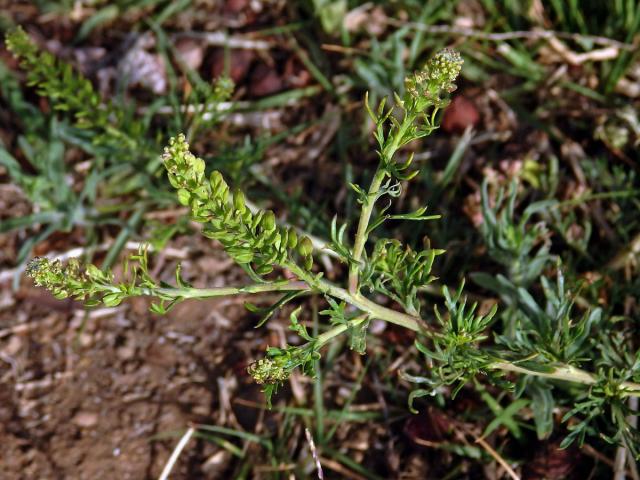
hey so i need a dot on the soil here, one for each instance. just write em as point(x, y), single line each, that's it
point(106, 393)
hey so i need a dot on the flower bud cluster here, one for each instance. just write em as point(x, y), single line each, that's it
point(18, 42)
point(64, 280)
point(429, 86)
point(279, 363)
point(269, 370)
point(67, 90)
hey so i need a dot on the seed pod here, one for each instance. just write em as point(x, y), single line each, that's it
point(201, 192)
point(292, 239)
point(184, 196)
point(247, 216)
point(216, 180)
point(275, 239)
point(112, 299)
point(238, 201)
point(197, 165)
point(264, 269)
point(305, 247)
point(308, 262)
point(240, 254)
point(268, 221)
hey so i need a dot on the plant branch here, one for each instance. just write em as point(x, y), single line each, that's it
point(371, 309)
point(560, 372)
point(388, 151)
point(190, 292)
point(330, 334)
point(363, 223)
point(364, 304)
point(566, 373)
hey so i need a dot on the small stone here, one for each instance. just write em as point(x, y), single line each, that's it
point(201, 410)
point(190, 52)
point(265, 81)
point(13, 347)
point(126, 352)
point(85, 419)
point(217, 463)
point(85, 339)
point(459, 115)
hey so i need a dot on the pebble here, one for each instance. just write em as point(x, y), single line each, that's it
point(85, 419)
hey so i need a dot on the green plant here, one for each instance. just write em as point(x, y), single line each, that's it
point(121, 143)
point(71, 92)
point(548, 347)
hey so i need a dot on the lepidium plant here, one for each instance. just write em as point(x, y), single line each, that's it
point(455, 344)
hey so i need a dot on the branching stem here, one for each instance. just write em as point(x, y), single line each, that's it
point(371, 309)
point(561, 372)
point(363, 224)
point(223, 291)
point(566, 373)
point(392, 144)
point(329, 335)
point(363, 304)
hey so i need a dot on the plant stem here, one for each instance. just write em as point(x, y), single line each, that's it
point(370, 309)
point(391, 146)
point(364, 304)
point(561, 372)
point(566, 373)
point(222, 291)
point(363, 223)
point(338, 330)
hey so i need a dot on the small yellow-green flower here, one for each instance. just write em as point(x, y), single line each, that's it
point(61, 280)
point(70, 280)
point(269, 370)
point(430, 85)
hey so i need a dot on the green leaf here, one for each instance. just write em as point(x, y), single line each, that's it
point(298, 327)
point(100, 17)
point(112, 299)
point(358, 336)
point(542, 404)
point(418, 393)
point(505, 416)
point(267, 312)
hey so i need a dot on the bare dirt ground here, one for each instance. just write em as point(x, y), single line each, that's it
point(103, 393)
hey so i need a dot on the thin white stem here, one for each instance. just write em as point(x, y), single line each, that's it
point(176, 453)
